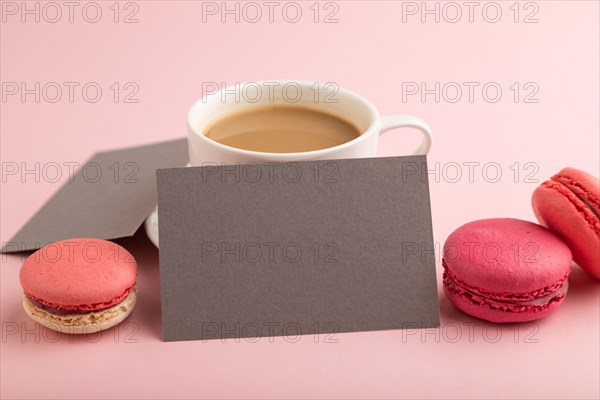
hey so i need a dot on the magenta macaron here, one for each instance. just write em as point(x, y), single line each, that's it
point(505, 270)
point(79, 285)
point(569, 204)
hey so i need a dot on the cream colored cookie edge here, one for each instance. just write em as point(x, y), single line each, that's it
point(83, 323)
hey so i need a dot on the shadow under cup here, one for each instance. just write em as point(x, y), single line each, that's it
point(325, 98)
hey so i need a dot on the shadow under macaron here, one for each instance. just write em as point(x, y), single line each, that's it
point(581, 283)
point(147, 314)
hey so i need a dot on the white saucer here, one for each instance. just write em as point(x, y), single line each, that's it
point(151, 226)
point(151, 223)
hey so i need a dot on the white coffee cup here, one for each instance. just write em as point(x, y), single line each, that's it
point(326, 97)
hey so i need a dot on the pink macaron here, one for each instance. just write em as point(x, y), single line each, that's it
point(505, 270)
point(79, 285)
point(569, 204)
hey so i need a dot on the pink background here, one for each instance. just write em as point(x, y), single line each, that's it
point(170, 52)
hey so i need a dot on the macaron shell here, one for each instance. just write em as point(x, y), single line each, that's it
point(558, 208)
point(507, 257)
point(584, 185)
point(465, 304)
point(79, 273)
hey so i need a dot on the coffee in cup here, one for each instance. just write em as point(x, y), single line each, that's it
point(281, 129)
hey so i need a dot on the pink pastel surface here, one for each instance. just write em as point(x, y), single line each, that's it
point(170, 52)
point(79, 273)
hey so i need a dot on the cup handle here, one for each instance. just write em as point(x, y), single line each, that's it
point(403, 121)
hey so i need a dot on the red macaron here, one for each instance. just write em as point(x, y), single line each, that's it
point(79, 285)
point(569, 204)
point(505, 270)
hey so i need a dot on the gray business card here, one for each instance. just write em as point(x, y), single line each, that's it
point(280, 249)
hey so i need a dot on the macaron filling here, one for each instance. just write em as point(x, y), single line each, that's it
point(58, 309)
point(533, 301)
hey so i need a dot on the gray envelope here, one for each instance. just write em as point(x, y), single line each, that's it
point(108, 197)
